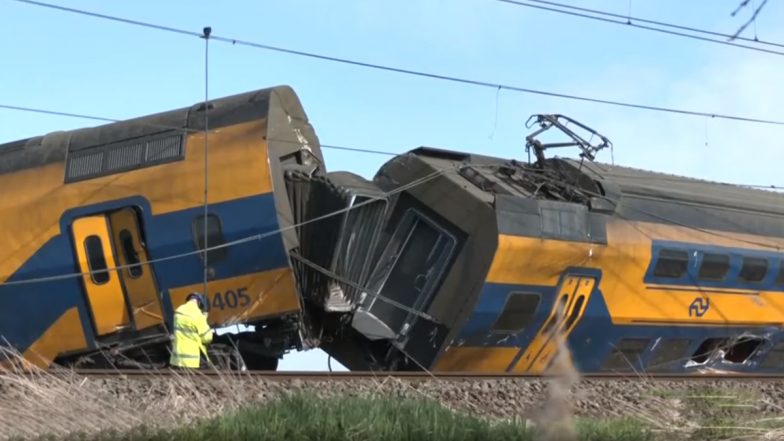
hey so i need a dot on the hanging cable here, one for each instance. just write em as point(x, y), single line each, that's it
point(247, 239)
point(442, 77)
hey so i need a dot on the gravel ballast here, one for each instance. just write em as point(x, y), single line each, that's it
point(62, 404)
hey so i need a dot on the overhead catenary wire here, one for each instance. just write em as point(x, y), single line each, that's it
point(629, 21)
point(632, 24)
point(176, 128)
point(442, 77)
point(751, 20)
point(672, 178)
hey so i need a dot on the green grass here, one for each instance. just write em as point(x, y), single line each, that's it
point(301, 417)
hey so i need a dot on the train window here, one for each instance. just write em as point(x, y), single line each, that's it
point(742, 349)
point(214, 236)
point(671, 263)
point(775, 357)
point(96, 260)
point(578, 304)
point(131, 256)
point(714, 266)
point(780, 278)
point(753, 269)
point(518, 312)
point(668, 354)
point(625, 356)
point(707, 348)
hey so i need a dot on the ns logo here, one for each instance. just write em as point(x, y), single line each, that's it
point(699, 307)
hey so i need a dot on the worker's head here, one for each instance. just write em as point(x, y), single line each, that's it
point(199, 299)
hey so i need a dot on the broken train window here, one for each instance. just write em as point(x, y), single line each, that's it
point(517, 313)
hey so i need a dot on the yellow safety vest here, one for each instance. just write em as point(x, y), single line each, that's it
point(191, 333)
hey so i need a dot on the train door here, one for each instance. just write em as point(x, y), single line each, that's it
point(123, 299)
point(412, 265)
point(141, 289)
point(103, 287)
point(572, 298)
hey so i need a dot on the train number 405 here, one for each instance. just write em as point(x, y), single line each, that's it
point(230, 299)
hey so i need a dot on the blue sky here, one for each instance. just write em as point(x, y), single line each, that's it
point(60, 61)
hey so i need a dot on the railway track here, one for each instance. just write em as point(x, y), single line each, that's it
point(408, 376)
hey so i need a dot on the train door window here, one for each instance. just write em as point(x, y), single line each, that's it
point(780, 278)
point(214, 236)
point(753, 269)
point(518, 312)
point(714, 266)
point(625, 356)
point(775, 357)
point(131, 256)
point(96, 260)
point(575, 312)
point(671, 263)
point(669, 354)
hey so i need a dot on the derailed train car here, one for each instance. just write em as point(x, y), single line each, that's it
point(451, 261)
point(445, 261)
point(103, 232)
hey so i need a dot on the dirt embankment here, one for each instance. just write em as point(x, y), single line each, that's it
point(51, 405)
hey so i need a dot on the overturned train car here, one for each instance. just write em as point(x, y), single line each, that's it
point(103, 233)
point(450, 261)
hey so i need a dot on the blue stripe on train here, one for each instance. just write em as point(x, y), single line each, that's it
point(27, 310)
point(595, 336)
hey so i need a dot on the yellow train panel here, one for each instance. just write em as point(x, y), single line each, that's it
point(570, 307)
point(64, 335)
point(32, 211)
point(623, 263)
point(250, 296)
point(470, 359)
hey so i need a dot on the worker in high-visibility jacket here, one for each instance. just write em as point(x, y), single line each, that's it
point(191, 332)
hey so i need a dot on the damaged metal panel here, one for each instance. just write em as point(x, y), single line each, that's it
point(339, 218)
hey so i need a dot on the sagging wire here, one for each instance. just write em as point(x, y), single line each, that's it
point(236, 242)
point(442, 77)
point(359, 149)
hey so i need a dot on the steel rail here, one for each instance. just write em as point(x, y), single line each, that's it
point(407, 376)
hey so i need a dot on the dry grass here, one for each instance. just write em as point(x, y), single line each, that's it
point(35, 403)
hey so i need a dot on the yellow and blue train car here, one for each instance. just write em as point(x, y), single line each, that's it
point(103, 231)
point(491, 265)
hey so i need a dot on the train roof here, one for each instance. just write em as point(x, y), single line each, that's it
point(645, 183)
point(54, 147)
point(629, 182)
